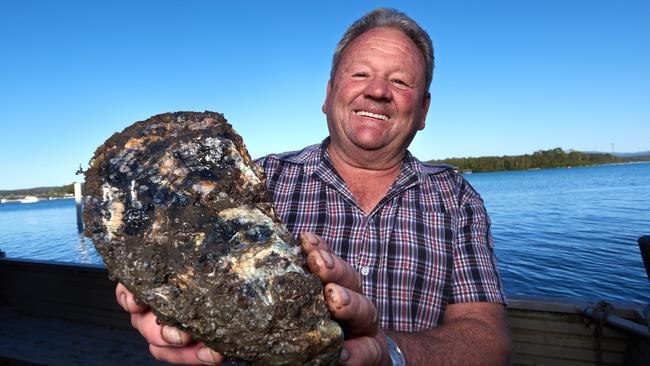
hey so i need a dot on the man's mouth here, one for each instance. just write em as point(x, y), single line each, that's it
point(382, 117)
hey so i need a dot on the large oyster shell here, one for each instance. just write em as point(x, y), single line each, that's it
point(181, 217)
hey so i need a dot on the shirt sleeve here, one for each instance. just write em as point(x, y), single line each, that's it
point(475, 277)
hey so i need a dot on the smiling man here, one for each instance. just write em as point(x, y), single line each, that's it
point(403, 247)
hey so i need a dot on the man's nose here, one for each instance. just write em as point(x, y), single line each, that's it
point(378, 89)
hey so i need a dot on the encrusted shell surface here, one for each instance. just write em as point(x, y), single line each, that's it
point(180, 214)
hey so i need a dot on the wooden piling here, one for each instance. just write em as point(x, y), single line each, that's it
point(78, 202)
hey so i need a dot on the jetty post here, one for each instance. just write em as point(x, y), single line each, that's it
point(78, 187)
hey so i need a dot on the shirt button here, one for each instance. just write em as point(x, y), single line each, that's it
point(365, 270)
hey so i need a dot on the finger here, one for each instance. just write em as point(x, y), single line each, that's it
point(364, 351)
point(195, 354)
point(159, 334)
point(352, 309)
point(310, 242)
point(332, 269)
point(126, 299)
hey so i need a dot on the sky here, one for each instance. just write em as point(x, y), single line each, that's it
point(511, 77)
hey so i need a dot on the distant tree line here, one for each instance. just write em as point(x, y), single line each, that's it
point(542, 159)
point(40, 192)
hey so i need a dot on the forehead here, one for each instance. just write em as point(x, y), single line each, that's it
point(386, 43)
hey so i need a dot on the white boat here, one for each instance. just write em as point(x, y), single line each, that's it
point(29, 199)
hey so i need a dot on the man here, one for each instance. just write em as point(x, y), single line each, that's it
point(404, 248)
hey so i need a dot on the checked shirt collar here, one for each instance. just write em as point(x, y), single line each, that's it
point(318, 164)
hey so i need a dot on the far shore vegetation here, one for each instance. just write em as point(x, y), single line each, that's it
point(40, 192)
point(543, 159)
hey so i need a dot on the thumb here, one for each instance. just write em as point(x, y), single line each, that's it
point(364, 351)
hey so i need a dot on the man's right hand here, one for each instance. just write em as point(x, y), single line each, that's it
point(166, 343)
point(365, 342)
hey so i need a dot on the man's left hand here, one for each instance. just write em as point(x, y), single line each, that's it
point(365, 342)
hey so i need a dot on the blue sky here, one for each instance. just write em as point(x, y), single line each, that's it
point(511, 77)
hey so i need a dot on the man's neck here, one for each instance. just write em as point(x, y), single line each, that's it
point(385, 159)
point(369, 181)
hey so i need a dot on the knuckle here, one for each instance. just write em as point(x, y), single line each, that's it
point(128, 302)
point(371, 318)
point(358, 281)
point(375, 351)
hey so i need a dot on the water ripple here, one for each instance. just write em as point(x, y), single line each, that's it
point(570, 233)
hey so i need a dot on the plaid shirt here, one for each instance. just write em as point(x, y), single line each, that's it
point(425, 245)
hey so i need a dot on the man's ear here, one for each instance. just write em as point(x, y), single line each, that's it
point(327, 96)
point(425, 109)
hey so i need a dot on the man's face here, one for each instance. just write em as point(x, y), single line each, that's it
point(376, 99)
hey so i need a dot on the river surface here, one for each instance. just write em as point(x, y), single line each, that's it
point(569, 233)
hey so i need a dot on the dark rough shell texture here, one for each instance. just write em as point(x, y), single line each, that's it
point(180, 214)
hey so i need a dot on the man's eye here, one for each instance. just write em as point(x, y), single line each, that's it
point(360, 74)
point(400, 82)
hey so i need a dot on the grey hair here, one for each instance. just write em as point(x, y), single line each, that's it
point(391, 18)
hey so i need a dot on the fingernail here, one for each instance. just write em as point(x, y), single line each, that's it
point(129, 301)
point(171, 335)
point(345, 355)
point(311, 238)
point(327, 259)
point(345, 296)
point(204, 354)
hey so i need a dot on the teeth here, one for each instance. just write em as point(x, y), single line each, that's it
point(373, 115)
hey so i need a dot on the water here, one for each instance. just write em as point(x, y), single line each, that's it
point(570, 232)
point(558, 232)
point(44, 230)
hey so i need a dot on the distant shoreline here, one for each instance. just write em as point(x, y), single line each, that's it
point(558, 167)
point(542, 159)
point(39, 199)
point(41, 193)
